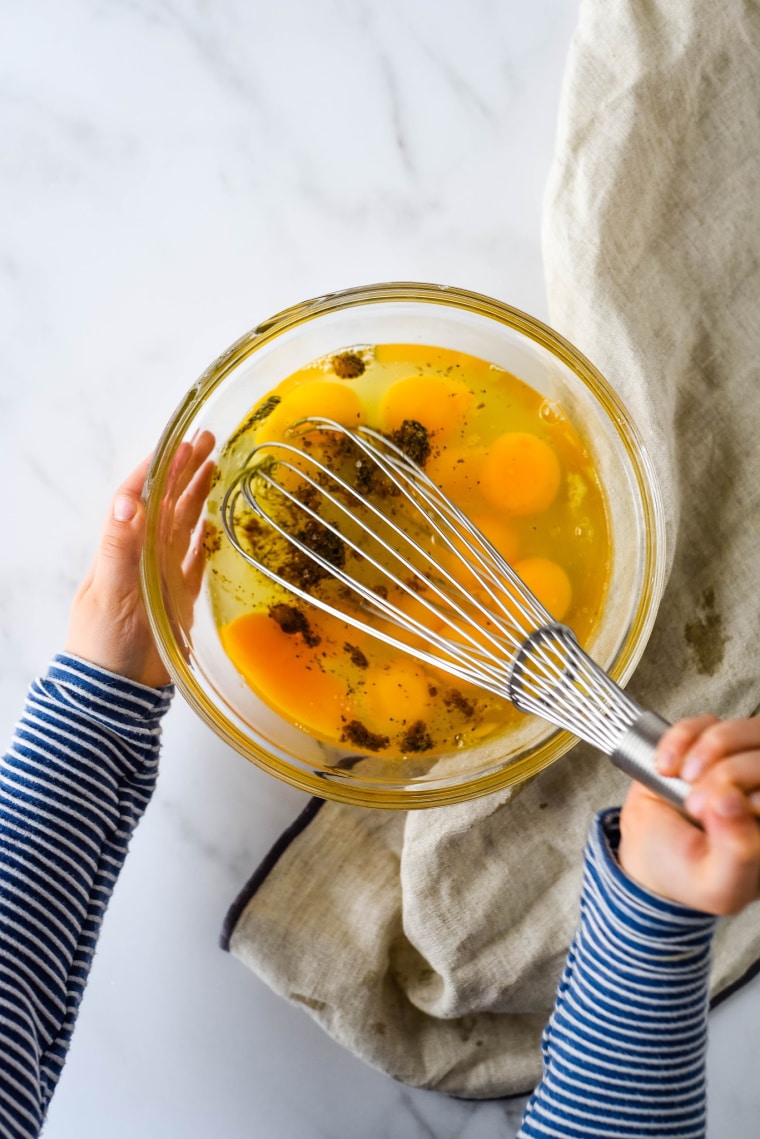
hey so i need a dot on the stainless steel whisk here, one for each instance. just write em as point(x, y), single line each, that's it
point(467, 611)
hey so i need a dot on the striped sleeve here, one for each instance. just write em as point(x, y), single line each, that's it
point(78, 775)
point(624, 1051)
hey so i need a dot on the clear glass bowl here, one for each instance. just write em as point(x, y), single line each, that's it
point(401, 313)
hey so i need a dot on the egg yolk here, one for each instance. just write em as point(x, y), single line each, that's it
point(286, 673)
point(500, 534)
point(456, 470)
point(328, 399)
point(438, 403)
point(549, 582)
point(522, 481)
point(395, 696)
point(521, 474)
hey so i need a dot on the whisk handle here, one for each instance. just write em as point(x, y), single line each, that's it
point(634, 754)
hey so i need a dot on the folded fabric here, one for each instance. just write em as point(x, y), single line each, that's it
point(430, 943)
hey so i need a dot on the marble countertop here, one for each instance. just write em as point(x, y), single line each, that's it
point(172, 172)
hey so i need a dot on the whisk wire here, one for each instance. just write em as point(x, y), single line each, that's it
point(498, 630)
point(552, 677)
point(471, 660)
point(418, 484)
point(368, 594)
point(495, 635)
point(446, 600)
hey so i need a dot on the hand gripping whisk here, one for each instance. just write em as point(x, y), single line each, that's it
point(391, 555)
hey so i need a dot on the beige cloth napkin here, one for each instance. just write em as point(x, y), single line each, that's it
point(430, 943)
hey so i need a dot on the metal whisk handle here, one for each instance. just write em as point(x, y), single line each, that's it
point(634, 754)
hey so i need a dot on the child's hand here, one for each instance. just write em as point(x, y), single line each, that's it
point(109, 626)
point(716, 869)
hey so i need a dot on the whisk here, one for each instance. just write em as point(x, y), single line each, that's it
point(402, 563)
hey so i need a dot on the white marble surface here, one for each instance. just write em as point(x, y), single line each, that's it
point(171, 172)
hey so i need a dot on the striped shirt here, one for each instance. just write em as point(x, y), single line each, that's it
point(624, 1051)
point(79, 774)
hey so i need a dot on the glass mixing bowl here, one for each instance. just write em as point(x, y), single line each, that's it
point(400, 313)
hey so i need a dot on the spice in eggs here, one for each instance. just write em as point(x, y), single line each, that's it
point(417, 738)
point(292, 620)
point(524, 478)
point(357, 657)
point(359, 735)
point(348, 365)
point(414, 440)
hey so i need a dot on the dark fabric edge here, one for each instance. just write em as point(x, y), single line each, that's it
point(259, 876)
point(735, 986)
point(486, 1099)
point(265, 867)
point(288, 836)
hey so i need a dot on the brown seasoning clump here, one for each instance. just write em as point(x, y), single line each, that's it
point(250, 526)
point(413, 439)
point(356, 656)
point(457, 700)
point(358, 734)
point(417, 737)
point(322, 541)
point(299, 568)
point(258, 415)
point(293, 620)
point(212, 539)
point(348, 365)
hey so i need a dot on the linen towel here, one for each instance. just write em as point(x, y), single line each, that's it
point(430, 943)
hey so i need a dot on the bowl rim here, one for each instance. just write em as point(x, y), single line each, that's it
point(642, 468)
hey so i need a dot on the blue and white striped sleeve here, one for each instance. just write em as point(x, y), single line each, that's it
point(624, 1051)
point(78, 775)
